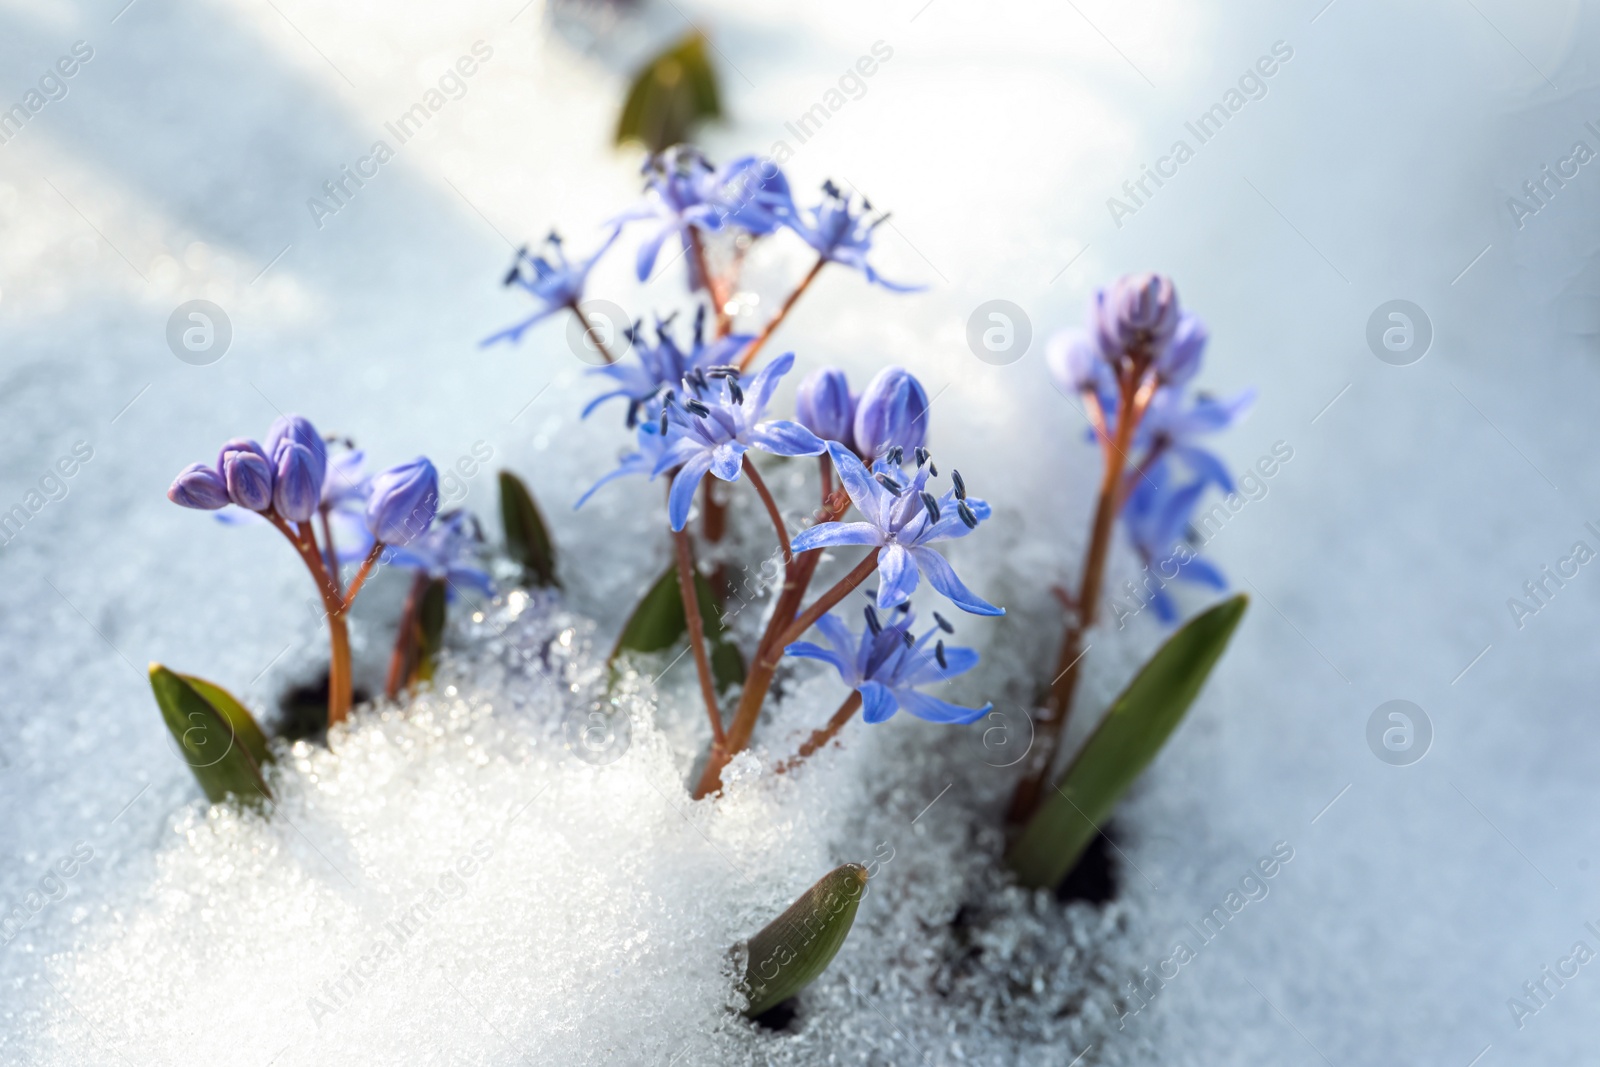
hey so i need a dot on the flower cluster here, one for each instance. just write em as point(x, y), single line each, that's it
point(686, 198)
point(1134, 362)
point(289, 480)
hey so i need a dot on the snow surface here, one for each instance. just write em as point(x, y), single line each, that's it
point(595, 923)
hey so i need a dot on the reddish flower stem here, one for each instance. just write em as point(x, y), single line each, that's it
point(750, 353)
point(772, 509)
point(697, 634)
point(821, 737)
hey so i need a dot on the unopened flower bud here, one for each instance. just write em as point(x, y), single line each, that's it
point(892, 411)
point(298, 429)
point(1137, 311)
point(298, 488)
point(403, 503)
point(824, 405)
point(198, 486)
point(248, 479)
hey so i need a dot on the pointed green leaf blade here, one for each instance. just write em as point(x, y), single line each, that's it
point(670, 96)
point(1127, 739)
point(658, 622)
point(527, 538)
point(239, 719)
point(792, 950)
point(220, 760)
point(430, 628)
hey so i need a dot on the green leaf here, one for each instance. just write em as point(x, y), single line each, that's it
point(1124, 743)
point(238, 717)
point(727, 663)
point(527, 538)
point(658, 622)
point(792, 950)
point(225, 758)
point(430, 629)
point(670, 96)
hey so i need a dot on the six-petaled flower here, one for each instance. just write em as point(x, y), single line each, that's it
point(901, 521)
point(888, 666)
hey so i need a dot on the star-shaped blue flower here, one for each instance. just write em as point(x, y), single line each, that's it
point(1156, 517)
point(642, 461)
point(554, 282)
point(902, 520)
point(841, 232)
point(713, 423)
point(886, 666)
point(450, 550)
point(661, 366)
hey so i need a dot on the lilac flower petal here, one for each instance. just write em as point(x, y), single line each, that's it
point(833, 534)
point(839, 636)
point(1173, 517)
point(634, 464)
point(650, 249)
point(726, 459)
point(950, 527)
point(1165, 610)
point(898, 576)
point(460, 578)
point(807, 650)
point(681, 496)
point(679, 452)
point(758, 394)
point(865, 493)
point(1196, 569)
point(1205, 464)
point(943, 578)
point(877, 702)
point(894, 287)
point(601, 399)
point(932, 709)
point(514, 333)
point(957, 661)
point(784, 438)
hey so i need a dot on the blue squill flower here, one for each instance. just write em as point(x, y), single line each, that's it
point(643, 461)
point(298, 430)
point(887, 666)
point(824, 405)
point(403, 503)
point(840, 232)
point(198, 486)
point(450, 549)
point(892, 413)
point(247, 473)
point(297, 482)
point(554, 282)
point(680, 186)
point(662, 366)
point(1156, 517)
point(1171, 425)
point(902, 520)
point(751, 193)
point(1137, 312)
point(712, 426)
